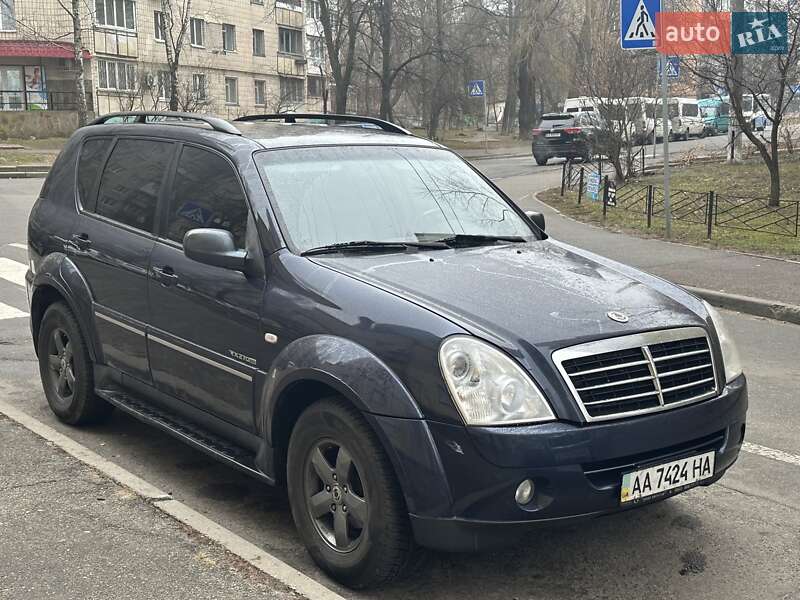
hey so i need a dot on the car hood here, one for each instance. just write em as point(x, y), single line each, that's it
point(543, 294)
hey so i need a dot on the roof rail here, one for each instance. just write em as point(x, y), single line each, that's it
point(293, 118)
point(216, 124)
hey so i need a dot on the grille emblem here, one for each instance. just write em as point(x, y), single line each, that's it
point(617, 316)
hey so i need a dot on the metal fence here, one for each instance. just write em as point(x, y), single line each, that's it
point(702, 208)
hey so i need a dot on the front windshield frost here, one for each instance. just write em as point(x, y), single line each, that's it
point(330, 195)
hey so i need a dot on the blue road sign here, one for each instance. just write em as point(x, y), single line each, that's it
point(638, 23)
point(476, 88)
point(673, 68)
point(760, 33)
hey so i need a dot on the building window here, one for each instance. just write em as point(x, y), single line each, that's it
point(291, 89)
point(200, 86)
point(228, 37)
point(258, 42)
point(315, 87)
point(315, 48)
point(261, 2)
point(198, 32)
point(231, 90)
point(116, 74)
point(116, 13)
point(158, 25)
point(289, 41)
point(290, 4)
point(7, 21)
point(260, 89)
point(164, 85)
point(313, 9)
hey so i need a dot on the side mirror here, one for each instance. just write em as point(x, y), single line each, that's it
point(536, 218)
point(214, 247)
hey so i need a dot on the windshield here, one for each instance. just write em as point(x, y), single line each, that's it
point(334, 195)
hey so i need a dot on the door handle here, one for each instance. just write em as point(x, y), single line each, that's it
point(81, 241)
point(166, 275)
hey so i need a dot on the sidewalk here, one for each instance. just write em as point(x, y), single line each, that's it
point(722, 271)
point(68, 532)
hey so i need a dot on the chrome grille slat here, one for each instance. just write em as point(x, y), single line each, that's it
point(614, 383)
point(680, 370)
point(681, 355)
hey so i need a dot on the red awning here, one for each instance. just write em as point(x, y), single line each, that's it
point(39, 49)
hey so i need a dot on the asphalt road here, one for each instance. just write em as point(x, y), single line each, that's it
point(737, 539)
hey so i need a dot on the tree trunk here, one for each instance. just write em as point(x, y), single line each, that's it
point(436, 102)
point(527, 100)
point(386, 8)
point(774, 179)
point(510, 112)
point(340, 99)
point(80, 89)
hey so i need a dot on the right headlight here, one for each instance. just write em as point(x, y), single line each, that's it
point(488, 387)
point(730, 355)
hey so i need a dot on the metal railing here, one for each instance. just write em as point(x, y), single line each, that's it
point(755, 214)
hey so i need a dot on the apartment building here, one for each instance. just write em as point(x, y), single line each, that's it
point(239, 56)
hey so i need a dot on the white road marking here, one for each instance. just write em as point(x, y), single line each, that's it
point(792, 459)
point(13, 271)
point(260, 559)
point(20, 246)
point(9, 312)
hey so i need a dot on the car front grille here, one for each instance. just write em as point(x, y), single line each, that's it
point(638, 374)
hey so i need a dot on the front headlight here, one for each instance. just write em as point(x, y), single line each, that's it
point(730, 355)
point(488, 387)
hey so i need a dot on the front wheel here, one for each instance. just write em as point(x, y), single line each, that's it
point(346, 502)
point(540, 160)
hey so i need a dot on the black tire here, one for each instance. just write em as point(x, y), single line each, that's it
point(541, 160)
point(66, 369)
point(686, 136)
point(383, 548)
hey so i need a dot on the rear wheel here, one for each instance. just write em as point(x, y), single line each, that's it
point(686, 135)
point(345, 499)
point(66, 369)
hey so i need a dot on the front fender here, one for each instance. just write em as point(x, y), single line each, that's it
point(347, 367)
point(57, 272)
point(366, 381)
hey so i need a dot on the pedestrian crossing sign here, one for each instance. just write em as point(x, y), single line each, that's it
point(476, 88)
point(638, 23)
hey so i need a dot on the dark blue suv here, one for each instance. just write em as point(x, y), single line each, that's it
point(333, 304)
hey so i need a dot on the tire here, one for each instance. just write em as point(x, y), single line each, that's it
point(541, 160)
point(686, 136)
point(383, 548)
point(66, 369)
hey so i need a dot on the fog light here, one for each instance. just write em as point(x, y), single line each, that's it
point(524, 492)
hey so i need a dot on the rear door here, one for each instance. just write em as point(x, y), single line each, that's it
point(114, 237)
point(205, 339)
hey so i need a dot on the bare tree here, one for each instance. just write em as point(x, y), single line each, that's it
point(341, 22)
point(175, 15)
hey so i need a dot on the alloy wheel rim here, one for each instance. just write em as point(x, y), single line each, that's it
point(61, 365)
point(335, 496)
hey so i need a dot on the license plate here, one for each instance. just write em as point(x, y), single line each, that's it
point(662, 478)
point(553, 135)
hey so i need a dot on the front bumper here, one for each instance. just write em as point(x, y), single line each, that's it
point(577, 469)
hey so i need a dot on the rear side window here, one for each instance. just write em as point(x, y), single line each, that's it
point(131, 182)
point(93, 153)
point(206, 193)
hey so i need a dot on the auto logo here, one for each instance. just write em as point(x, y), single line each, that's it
point(617, 316)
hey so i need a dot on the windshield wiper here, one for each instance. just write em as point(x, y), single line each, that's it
point(369, 246)
point(466, 239)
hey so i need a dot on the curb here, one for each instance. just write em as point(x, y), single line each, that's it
point(495, 156)
point(23, 174)
point(758, 307)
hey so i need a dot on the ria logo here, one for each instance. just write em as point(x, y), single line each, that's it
point(760, 33)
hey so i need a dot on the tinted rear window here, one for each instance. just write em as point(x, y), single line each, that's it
point(93, 153)
point(132, 181)
point(556, 121)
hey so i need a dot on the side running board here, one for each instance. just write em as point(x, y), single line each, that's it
point(223, 450)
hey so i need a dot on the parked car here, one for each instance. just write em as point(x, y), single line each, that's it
point(360, 315)
point(568, 135)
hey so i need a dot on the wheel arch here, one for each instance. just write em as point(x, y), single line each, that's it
point(58, 280)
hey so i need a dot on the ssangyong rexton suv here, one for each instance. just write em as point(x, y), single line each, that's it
point(333, 304)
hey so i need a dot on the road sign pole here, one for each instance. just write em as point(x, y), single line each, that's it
point(485, 121)
point(665, 133)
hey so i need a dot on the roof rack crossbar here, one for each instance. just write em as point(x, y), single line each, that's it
point(215, 123)
point(294, 117)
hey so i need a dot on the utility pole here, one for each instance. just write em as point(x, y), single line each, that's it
point(735, 88)
point(665, 125)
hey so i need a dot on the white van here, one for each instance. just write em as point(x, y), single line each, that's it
point(580, 104)
point(686, 118)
